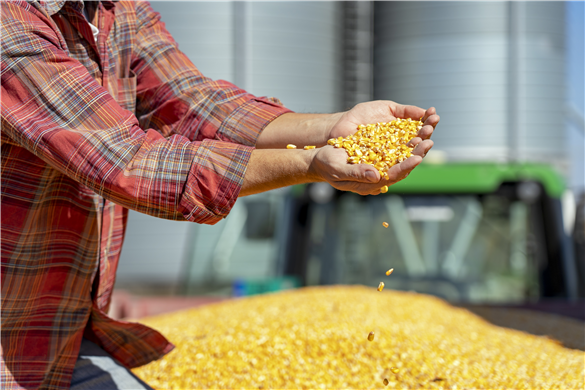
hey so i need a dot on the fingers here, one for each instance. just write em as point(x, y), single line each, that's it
point(402, 170)
point(422, 148)
point(413, 112)
point(428, 113)
point(331, 164)
point(430, 121)
point(358, 188)
point(363, 173)
point(413, 142)
point(395, 174)
point(429, 117)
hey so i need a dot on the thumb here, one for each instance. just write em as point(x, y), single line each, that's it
point(364, 173)
point(372, 176)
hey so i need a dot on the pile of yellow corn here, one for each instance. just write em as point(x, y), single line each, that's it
point(319, 338)
point(381, 144)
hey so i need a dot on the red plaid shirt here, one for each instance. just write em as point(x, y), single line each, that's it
point(90, 130)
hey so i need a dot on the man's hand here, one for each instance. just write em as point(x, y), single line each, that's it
point(330, 164)
point(383, 111)
point(364, 179)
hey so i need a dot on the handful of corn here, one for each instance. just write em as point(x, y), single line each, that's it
point(314, 338)
point(381, 144)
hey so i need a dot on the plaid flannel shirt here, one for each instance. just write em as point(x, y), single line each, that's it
point(89, 130)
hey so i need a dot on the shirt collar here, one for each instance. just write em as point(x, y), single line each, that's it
point(54, 6)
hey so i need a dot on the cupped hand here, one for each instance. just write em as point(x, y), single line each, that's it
point(330, 165)
point(364, 179)
point(383, 111)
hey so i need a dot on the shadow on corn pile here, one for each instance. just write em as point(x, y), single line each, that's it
point(318, 338)
point(570, 332)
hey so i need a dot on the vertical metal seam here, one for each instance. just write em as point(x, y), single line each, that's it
point(240, 43)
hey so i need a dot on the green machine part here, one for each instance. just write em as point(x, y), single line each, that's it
point(477, 178)
point(471, 178)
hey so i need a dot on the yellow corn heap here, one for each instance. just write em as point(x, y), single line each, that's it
point(381, 145)
point(314, 338)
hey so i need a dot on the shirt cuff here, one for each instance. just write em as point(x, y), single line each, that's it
point(244, 125)
point(214, 181)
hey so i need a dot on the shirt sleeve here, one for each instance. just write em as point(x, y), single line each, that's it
point(201, 107)
point(52, 107)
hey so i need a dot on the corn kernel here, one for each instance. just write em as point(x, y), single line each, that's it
point(394, 370)
point(371, 336)
point(384, 189)
point(302, 339)
point(385, 224)
point(309, 147)
point(381, 286)
point(291, 146)
point(386, 381)
point(381, 144)
point(389, 272)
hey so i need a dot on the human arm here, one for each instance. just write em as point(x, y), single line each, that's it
point(274, 168)
point(173, 97)
point(55, 110)
point(330, 164)
point(315, 129)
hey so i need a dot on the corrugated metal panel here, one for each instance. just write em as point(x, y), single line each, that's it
point(204, 32)
point(294, 53)
point(460, 58)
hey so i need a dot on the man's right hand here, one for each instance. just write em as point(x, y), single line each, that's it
point(330, 164)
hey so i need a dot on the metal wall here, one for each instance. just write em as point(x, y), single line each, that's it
point(494, 70)
point(289, 50)
point(294, 53)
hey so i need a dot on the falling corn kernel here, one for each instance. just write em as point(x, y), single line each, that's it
point(309, 147)
point(381, 144)
point(381, 286)
point(385, 224)
point(384, 189)
point(291, 146)
point(394, 370)
point(386, 381)
point(371, 336)
point(389, 272)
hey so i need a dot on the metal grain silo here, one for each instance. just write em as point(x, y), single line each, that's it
point(290, 50)
point(494, 70)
